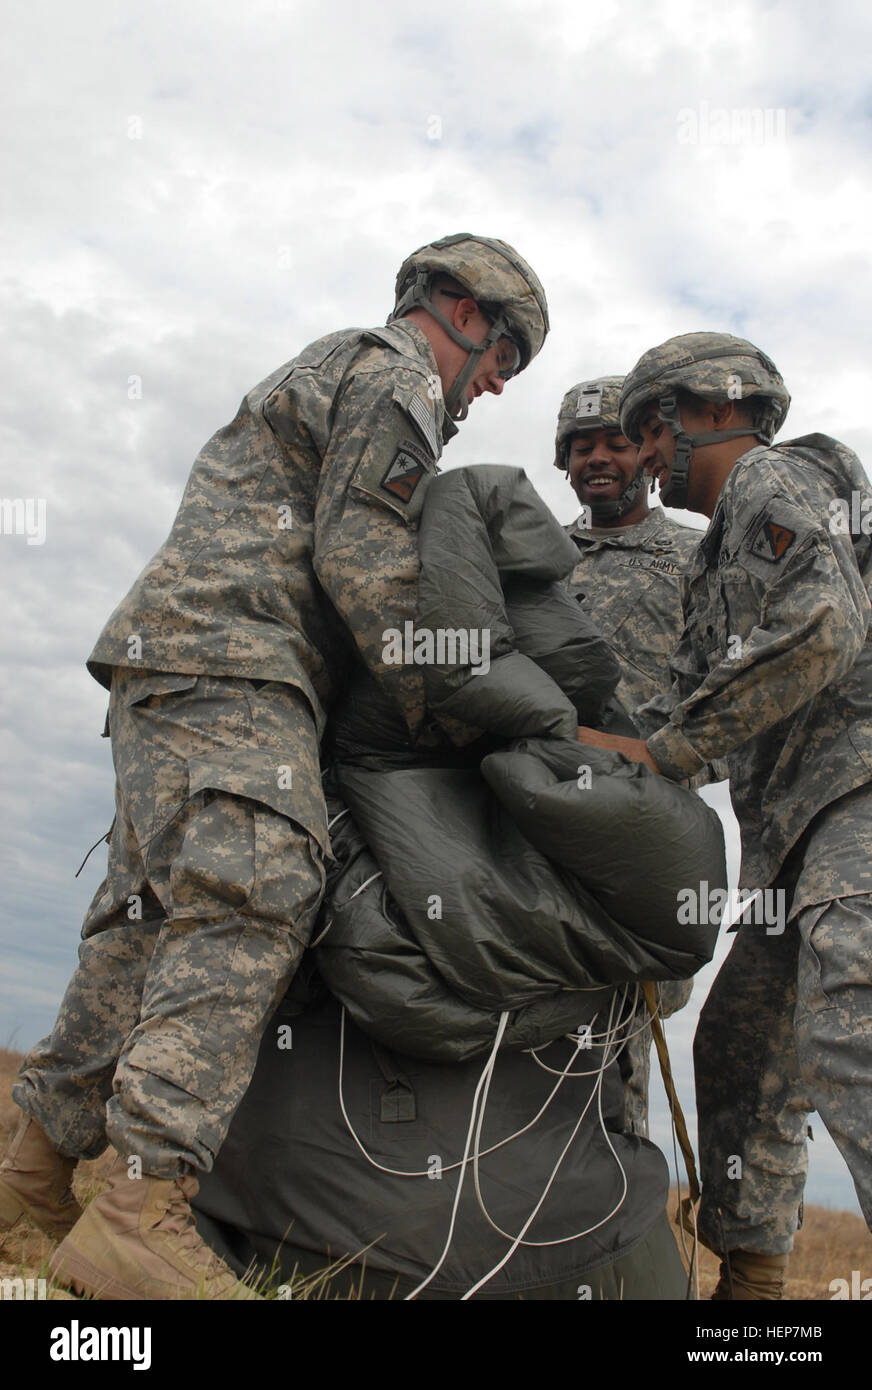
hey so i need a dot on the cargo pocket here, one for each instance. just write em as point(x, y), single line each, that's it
point(835, 955)
point(247, 848)
point(812, 995)
point(190, 1069)
point(133, 687)
point(152, 784)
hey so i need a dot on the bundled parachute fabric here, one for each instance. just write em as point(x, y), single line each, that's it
point(524, 877)
point(445, 915)
point(410, 992)
point(479, 920)
point(491, 557)
point(291, 1184)
point(630, 836)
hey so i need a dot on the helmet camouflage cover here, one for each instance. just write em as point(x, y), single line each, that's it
point(593, 405)
point(716, 366)
point(495, 276)
point(590, 405)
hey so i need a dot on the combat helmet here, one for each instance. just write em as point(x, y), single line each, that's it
point(716, 366)
point(588, 406)
point(504, 286)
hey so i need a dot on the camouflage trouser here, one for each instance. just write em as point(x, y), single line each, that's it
point(214, 882)
point(636, 1056)
point(786, 1029)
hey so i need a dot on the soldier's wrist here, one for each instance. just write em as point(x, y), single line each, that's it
point(674, 756)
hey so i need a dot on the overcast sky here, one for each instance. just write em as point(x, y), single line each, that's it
point(195, 192)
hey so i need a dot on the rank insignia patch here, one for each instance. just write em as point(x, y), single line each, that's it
point(772, 541)
point(404, 474)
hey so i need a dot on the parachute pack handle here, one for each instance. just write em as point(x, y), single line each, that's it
point(398, 1104)
point(686, 1213)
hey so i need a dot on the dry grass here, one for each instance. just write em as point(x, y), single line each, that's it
point(25, 1251)
point(830, 1245)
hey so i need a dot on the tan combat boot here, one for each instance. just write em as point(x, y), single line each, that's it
point(35, 1183)
point(139, 1241)
point(753, 1275)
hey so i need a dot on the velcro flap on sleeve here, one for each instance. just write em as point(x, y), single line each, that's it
point(291, 790)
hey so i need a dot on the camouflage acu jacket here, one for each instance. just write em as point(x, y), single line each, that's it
point(628, 582)
point(774, 672)
point(298, 524)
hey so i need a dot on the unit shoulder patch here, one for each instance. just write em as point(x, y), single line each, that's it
point(405, 471)
point(772, 539)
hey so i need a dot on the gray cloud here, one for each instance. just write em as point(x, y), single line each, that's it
point(200, 190)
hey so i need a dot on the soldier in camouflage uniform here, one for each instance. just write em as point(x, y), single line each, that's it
point(627, 581)
point(774, 673)
point(631, 559)
point(294, 548)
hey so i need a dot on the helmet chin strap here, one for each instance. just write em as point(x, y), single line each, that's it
point(674, 494)
point(417, 297)
point(610, 509)
point(456, 404)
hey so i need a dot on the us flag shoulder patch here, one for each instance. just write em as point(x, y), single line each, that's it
point(405, 472)
point(772, 540)
point(423, 418)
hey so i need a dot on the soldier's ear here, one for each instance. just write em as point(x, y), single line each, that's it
point(726, 415)
point(465, 311)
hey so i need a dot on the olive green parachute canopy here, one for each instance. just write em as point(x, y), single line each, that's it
point(544, 889)
point(589, 405)
point(457, 906)
point(716, 366)
point(495, 276)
